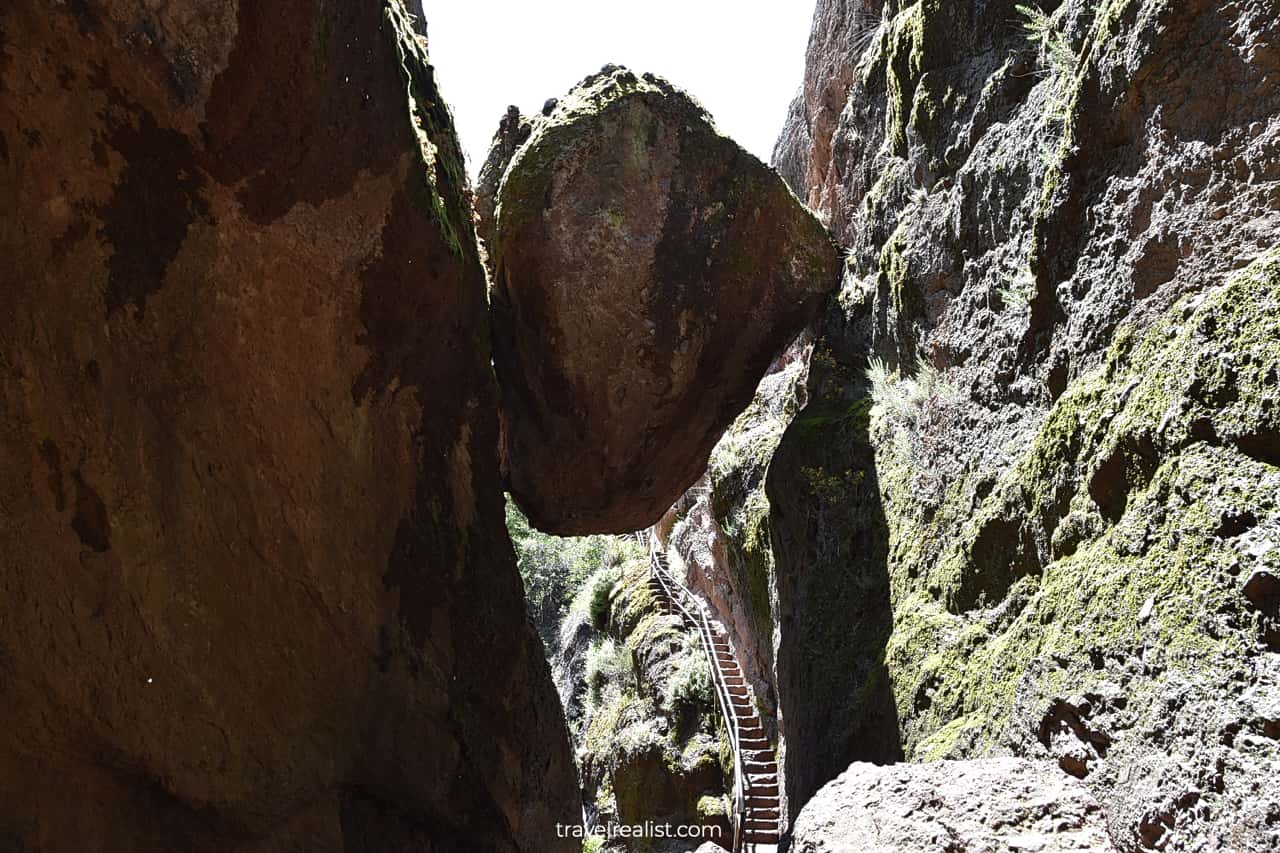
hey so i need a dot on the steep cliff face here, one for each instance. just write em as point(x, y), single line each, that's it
point(256, 589)
point(1030, 507)
point(647, 270)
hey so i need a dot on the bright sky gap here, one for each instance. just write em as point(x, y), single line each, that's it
point(741, 59)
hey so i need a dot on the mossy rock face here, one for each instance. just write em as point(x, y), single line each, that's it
point(1119, 637)
point(647, 271)
point(1042, 204)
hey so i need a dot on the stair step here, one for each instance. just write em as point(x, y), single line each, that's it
point(762, 801)
point(760, 825)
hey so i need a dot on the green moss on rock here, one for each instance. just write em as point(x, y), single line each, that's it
point(441, 193)
point(1126, 500)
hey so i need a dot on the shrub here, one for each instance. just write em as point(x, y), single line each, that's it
point(608, 663)
point(555, 568)
point(905, 400)
point(601, 592)
point(1017, 290)
point(689, 688)
point(920, 412)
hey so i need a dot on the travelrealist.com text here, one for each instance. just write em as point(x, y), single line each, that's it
point(648, 829)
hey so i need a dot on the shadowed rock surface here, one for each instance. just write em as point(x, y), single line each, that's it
point(256, 591)
point(1002, 805)
point(646, 272)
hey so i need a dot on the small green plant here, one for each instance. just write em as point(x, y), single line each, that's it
point(881, 379)
point(593, 844)
point(902, 399)
point(1017, 290)
point(1057, 57)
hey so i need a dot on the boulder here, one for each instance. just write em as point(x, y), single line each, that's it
point(647, 270)
point(257, 593)
point(999, 805)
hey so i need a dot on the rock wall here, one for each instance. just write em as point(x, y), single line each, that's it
point(256, 589)
point(1035, 478)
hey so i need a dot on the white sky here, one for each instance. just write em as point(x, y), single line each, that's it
point(741, 59)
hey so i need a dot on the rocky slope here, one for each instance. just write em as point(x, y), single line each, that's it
point(1029, 505)
point(638, 695)
point(256, 593)
point(646, 272)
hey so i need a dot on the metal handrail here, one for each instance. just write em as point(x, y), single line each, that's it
point(677, 594)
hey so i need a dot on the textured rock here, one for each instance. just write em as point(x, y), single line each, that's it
point(647, 271)
point(719, 530)
point(1034, 531)
point(256, 593)
point(1002, 805)
point(513, 131)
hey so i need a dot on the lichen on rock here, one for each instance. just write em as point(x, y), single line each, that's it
point(646, 272)
point(1028, 507)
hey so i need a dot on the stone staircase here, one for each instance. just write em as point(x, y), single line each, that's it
point(758, 813)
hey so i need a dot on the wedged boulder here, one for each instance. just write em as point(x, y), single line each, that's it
point(982, 806)
point(646, 272)
point(255, 589)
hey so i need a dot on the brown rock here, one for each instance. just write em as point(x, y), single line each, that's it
point(256, 590)
point(647, 272)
